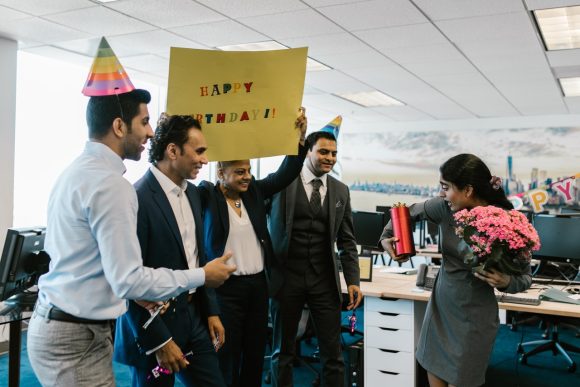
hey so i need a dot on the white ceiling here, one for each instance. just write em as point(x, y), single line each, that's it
point(456, 64)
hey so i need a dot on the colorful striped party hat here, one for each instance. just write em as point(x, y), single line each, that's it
point(333, 126)
point(107, 76)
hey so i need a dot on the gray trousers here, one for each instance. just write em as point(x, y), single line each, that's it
point(70, 354)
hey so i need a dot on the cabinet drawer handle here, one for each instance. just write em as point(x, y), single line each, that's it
point(388, 350)
point(389, 314)
point(389, 298)
point(388, 373)
point(388, 329)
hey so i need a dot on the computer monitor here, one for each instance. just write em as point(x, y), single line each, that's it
point(368, 227)
point(23, 261)
point(559, 237)
point(386, 210)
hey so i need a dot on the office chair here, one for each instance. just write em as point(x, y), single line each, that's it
point(550, 344)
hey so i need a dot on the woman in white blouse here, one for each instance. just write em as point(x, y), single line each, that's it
point(235, 220)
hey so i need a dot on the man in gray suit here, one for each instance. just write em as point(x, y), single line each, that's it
point(305, 221)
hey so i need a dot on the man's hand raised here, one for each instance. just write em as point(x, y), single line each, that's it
point(217, 271)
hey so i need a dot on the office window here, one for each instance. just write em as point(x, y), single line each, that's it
point(51, 130)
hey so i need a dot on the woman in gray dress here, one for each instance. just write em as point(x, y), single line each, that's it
point(461, 320)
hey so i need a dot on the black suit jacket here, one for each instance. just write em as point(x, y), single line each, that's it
point(216, 216)
point(161, 246)
point(340, 229)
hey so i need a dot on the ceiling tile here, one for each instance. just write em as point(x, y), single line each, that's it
point(38, 30)
point(99, 21)
point(334, 82)
point(8, 14)
point(167, 13)
point(374, 14)
point(324, 3)
point(46, 7)
point(154, 42)
point(327, 44)
point(148, 63)
point(573, 104)
point(473, 92)
point(89, 47)
point(403, 113)
point(62, 55)
point(456, 9)
point(244, 8)
point(219, 33)
point(494, 27)
point(424, 54)
point(292, 24)
point(444, 67)
point(403, 36)
point(561, 58)
point(366, 58)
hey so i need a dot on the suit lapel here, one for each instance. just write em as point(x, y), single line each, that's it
point(195, 205)
point(222, 209)
point(291, 202)
point(161, 200)
point(331, 197)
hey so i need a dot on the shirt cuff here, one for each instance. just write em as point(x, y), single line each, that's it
point(158, 347)
point(196, 277)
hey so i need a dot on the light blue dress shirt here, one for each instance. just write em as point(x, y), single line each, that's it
point(91, 238)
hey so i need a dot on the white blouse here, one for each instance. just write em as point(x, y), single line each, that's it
point(242, 241)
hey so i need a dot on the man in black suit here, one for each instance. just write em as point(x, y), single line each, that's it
point(305, 221)
point(170, 231)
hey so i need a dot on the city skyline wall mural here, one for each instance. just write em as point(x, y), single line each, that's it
point(385, 168)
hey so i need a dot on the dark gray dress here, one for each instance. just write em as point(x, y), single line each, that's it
point(461, 320)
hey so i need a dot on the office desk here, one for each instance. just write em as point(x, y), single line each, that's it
point(393, 315)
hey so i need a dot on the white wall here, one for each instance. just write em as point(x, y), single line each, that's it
point(8, 50)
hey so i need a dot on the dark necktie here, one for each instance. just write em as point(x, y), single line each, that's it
point(315, 202)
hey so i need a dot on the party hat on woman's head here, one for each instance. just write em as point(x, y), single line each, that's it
point(107, 76)
point(333, 126)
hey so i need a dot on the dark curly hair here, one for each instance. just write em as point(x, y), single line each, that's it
point(170, 130)
point(467, 169)
point(103, 110)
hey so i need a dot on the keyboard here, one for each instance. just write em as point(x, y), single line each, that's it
point(517, 300)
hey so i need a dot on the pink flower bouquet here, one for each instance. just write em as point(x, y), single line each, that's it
point(498, 239)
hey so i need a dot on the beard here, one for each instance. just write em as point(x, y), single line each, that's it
point(132, 146)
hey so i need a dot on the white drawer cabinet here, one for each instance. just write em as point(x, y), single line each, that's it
point(389, 319)
point(389, 342)
point(390, 360)
point(389, 338)
point(380, 378)
point(392, 305)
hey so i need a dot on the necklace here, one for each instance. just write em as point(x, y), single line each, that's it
point(237, 202)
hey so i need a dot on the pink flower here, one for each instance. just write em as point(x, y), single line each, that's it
point(489, 228)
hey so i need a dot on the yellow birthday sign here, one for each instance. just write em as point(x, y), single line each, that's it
point(246, 101)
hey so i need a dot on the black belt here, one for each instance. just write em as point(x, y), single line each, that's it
point(54, 313)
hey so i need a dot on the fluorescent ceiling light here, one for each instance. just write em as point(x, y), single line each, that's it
point(559, 27)
point(311, 64)
point(106, 1)
point(371, 99)
point(570, 86)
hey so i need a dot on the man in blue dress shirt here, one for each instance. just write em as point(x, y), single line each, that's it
point(95, 254)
